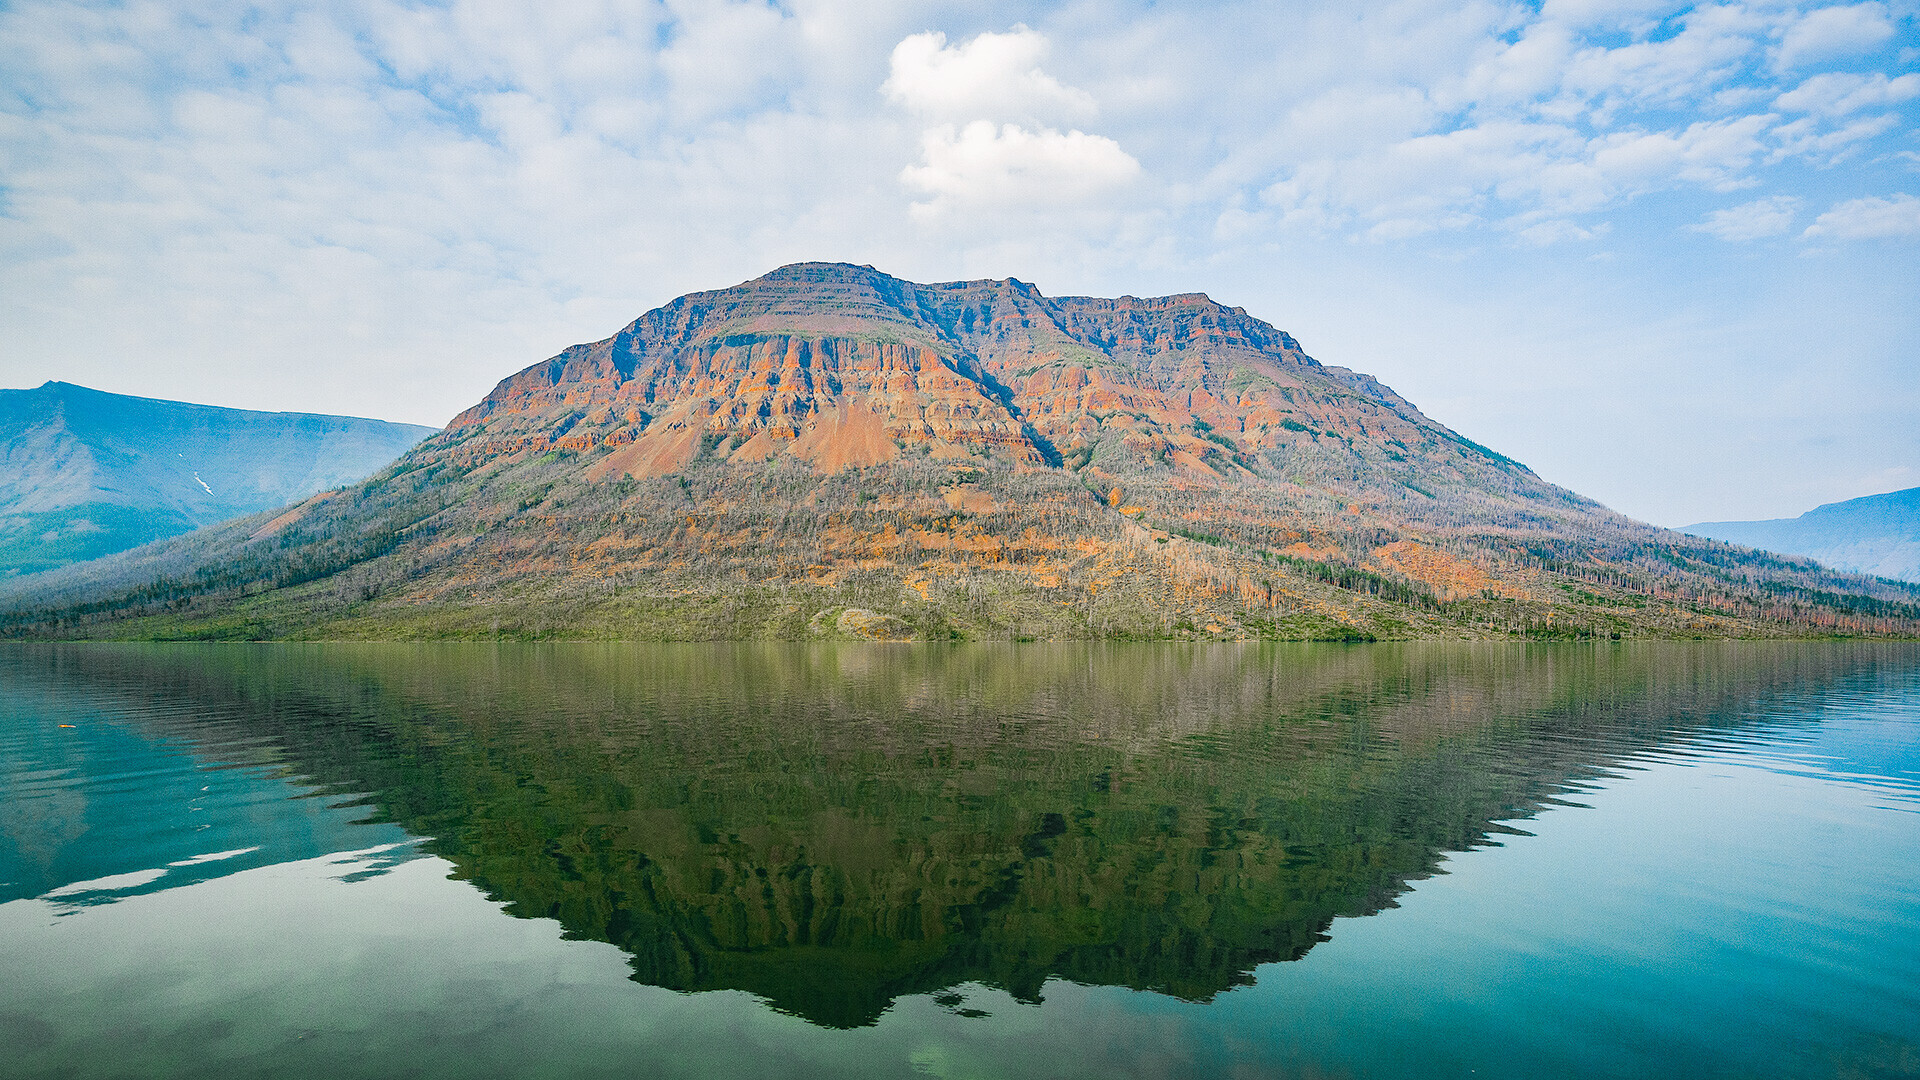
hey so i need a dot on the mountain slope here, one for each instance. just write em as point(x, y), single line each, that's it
point(829, 450)
point(1877, 534)
point(84, 472)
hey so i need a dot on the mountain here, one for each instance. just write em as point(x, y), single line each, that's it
point(831, 451)
point(1878, 534)
point(88, 473)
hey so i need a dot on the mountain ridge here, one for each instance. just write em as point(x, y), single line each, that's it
point(89, 472)
point(1873, 534)
point(830, 451)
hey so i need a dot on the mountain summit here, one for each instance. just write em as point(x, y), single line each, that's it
point(828, 450)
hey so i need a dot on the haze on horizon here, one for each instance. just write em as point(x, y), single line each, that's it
point(1665, 254)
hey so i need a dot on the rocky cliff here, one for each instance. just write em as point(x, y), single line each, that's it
point(839, 366)
point(828, 450)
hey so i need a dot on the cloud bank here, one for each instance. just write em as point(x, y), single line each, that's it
point(382, 206)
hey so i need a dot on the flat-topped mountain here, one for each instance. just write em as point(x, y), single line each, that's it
point(86, 472)
point(828, 450)
point(837, 366)
point(1875, 534)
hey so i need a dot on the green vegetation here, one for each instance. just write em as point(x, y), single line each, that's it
point(34, 542)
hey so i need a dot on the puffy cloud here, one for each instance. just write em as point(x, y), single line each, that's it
point(1831, 32)
point(1806, 138)
point(993, 76)
point(1760, 218)
point(1554, 231)
point(728, 56)
point(1711, 153)
point(1896, 216)
point(1840, 93)
point(1711, 47)
point(1536, 171)
point(1554, 114)
point(1611, 13)
point(981, 165)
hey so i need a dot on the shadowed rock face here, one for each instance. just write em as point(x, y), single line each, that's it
point(833, 827)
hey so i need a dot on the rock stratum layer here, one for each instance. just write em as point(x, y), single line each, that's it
point(830, 451)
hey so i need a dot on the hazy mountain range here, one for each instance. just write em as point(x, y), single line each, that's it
point(831, 451)
point(84, 473)
point(1878, 534)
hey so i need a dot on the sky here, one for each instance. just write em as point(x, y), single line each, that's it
point(1668, 255)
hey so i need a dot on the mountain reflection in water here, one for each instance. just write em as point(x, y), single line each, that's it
point(834, 827)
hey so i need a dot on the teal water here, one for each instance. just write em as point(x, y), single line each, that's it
point(1696, 859)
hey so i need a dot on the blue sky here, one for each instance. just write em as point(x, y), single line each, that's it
point(1668, 255)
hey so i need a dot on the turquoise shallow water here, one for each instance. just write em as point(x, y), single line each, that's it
point(983, 861)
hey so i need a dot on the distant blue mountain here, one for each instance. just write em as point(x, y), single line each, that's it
point(85, 473)
point(1878, 534)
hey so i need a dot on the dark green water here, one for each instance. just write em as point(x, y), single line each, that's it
point(582, 860)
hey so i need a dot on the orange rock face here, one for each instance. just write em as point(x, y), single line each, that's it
point(996, 428)
point(840, 365)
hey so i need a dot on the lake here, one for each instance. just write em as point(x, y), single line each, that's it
point(971, 861)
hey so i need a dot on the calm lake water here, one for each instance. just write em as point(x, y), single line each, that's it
point(1632, 860)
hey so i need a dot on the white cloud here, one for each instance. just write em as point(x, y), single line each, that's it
point(1536, 171)
point(981, 165)
point(1760, 218)
point(993, 76)
point(385, 205)
point(1804, 137)
point(1710, 48)
point(1349, 116)
point(1611, 13)
point(1832, 32)
point(726, 56)
point(1555, 115)
point(1711, 153)
point(1543, 230)
point(993, 147)
point(1840, 93)
point(1870, 218)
